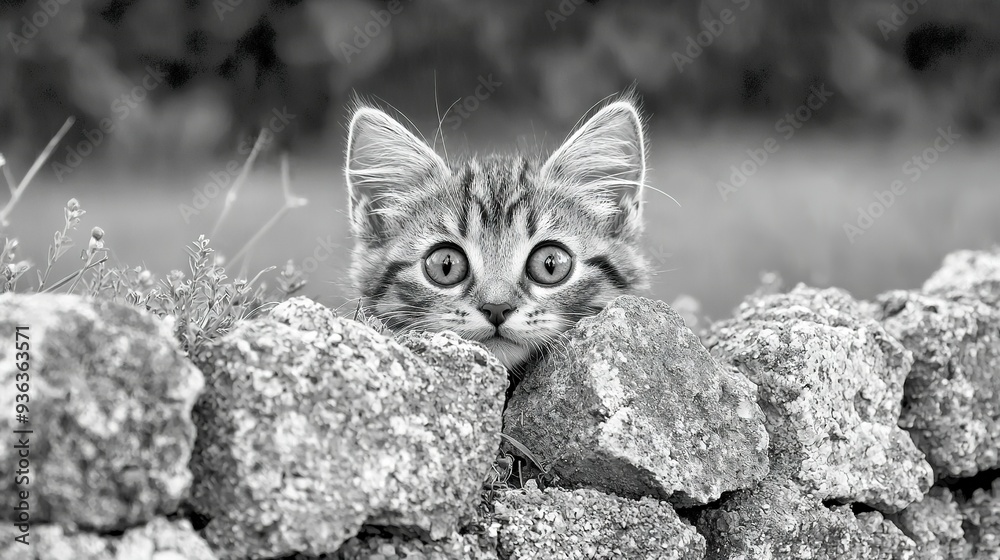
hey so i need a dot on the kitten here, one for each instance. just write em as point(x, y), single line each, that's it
point(506, 250)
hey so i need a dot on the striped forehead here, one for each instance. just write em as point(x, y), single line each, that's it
point(492, 194)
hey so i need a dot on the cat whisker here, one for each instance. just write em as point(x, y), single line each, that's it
point(654, 189)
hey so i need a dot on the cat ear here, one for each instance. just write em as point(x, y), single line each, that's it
point(605, 161)
point(385, 165)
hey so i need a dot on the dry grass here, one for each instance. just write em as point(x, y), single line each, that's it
point(202, 307)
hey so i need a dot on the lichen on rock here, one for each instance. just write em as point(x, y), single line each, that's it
point(831, 384)
point(633, 404)
point(560, 524)
point(159, 539)
point(972, 273)
point(934, 523)
point(778, 519)
point(110, 400)
point(313, 425)
point(952, 404)
point(801, 433)
point(392, 547)
point(982, 522)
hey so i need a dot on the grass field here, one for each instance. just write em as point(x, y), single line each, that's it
point(789, 217)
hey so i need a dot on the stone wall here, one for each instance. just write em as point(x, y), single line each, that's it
point(809, 425)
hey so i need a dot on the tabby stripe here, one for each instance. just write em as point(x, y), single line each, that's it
point(386, 280)
point(496, 210)
point(614, 276)
point(583, 293)
point(484, 215)
point(532, 221)
point(509, 214)
point(523, 287)
point(463, 215)
point(467, 290)
point(408, 293)
point(522, 187)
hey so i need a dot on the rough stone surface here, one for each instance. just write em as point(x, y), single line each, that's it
point(952, 404)
point(982, 522)
point(935, 525)
point(975, 273)
point(830, 382)
point(883, 539)
point(157, 540)
point(313, 425)
point(455, 547)
point(634, 405)
point(110, 401)
point(557, 524)
point(779, 520)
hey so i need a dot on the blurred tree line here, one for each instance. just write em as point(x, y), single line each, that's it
point(223, 67)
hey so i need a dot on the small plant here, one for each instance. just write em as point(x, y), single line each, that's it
point(290, 280)
point(371, 321)
point(502, 477)
point(94, 255)
point(61, 241)
point(17, 188)
point(543, 474)
point(495, 483)
point(10, 270)
point(202, 304)
point(206, 305)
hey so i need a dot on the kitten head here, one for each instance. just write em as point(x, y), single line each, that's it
point(505, 250)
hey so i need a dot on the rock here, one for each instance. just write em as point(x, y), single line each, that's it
point(830, 382)
point(982, 522)
point(559, 524)
point(882, 539)
point(633, 404)
point(779, 520)
point(974, 273)
point(159, 539)
point(313, 425)
point(455, 547)
point(935, 525)
point(952, 404)
point(110, 401)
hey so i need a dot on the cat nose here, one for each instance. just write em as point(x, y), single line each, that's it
point(496, 312)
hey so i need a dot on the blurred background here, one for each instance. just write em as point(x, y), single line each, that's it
point(836, 142)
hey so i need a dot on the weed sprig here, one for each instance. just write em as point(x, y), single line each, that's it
point(202, 304)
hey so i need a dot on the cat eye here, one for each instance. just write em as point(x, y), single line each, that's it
point(549, 264)
point(446, 265)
